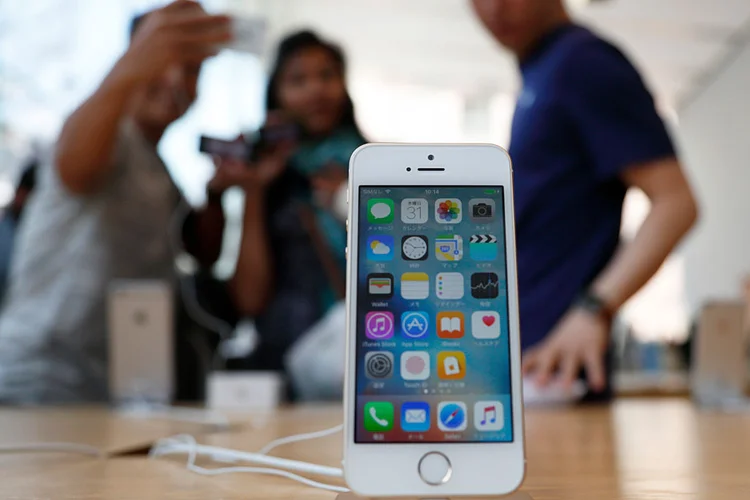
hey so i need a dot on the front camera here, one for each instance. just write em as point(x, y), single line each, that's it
point(408, 169)
point(430, 157)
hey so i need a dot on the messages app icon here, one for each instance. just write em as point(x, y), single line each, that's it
point(415, 416)
point(380, 211)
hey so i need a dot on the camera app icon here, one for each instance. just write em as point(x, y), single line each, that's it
point(482, 210)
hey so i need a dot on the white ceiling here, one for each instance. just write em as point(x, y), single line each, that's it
point(440, 43)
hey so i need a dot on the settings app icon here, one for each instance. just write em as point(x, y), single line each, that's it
point(379, 364)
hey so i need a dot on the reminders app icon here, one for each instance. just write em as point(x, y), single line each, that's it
point(380, 285)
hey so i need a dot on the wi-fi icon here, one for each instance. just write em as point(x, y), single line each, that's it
point(387, 191)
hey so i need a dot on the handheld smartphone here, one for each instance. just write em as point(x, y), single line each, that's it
point(237, 149)
point(433, 402)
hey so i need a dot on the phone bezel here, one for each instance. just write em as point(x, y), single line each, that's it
point(478, 468)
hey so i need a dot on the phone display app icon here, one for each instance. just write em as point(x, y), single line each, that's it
point(415, 416)
point(380, 248)
point(379, 364)
point(451, 365)
point(414, 247)
point(380, 285)
point(415, 365)
point(452, 416)
point(379, 417)
point(485, 324)
point(380, 211)
point(449, 247)
point(482, 210)
point(415, 324)
point(488, 416)
point(448, 211)
point(415, 286)
point(483, 247)
point(414, 211)
point(379, 325)
point(449, 286)
point(484, 285)
point(450, 325)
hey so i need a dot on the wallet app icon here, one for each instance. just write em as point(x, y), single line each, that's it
point(415, 416)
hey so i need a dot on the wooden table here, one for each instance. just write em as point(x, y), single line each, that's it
point(636, 449)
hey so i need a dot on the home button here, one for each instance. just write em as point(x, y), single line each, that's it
point(435, 468)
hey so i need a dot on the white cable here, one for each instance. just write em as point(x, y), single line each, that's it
point(185, 444)
point(54, 447)
point(188, 291)
point(300, 437)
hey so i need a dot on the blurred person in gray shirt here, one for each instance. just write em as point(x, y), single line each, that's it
point(102, 211)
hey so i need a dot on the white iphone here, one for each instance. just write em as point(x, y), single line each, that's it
point(433, 403)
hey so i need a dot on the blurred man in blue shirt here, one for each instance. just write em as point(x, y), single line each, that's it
point(584, 131)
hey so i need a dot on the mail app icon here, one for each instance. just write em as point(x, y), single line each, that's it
point(415, 416)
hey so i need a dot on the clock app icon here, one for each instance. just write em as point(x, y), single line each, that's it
point(414, 247)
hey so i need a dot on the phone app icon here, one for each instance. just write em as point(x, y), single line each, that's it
point(450, 325)
point(415, 416)
point(489, 416)
point(448, 211)
point(415, 365)
point(379, 364)
point(414, 211)
point(380, 248)
point(415, 324)
point(449, 247)
point(482, 210)
point(415, 286)
point(485, 324)
point(451, 365)
point(414, 247)
point(380, 211)
point(380, 285)
point(379, 325)
point(379, 417)
point(483, 247)
point(449, 286)
point(452, 416)
point(484, 285)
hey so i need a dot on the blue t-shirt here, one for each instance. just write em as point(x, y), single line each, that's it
point(583, 117)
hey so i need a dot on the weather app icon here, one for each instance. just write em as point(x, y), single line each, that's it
point(380, 248)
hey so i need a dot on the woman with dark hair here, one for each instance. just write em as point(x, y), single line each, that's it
point(291, 266)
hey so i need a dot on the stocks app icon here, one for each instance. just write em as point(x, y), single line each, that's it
point(379, 364)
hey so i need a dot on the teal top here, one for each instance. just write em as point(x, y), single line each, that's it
point(312, 157)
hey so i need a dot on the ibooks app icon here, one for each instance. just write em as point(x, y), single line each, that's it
point(450, 325)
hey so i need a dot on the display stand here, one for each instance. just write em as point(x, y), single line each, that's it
point(518, 495)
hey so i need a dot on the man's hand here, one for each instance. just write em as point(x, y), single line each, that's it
point(579, 341)
point(179, 34)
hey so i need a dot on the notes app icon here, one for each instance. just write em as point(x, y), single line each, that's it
point(450, 325)
point(415, 286)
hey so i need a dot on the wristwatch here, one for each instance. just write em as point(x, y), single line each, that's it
point(592, 303)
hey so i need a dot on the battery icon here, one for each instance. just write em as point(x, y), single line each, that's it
point(489, 191)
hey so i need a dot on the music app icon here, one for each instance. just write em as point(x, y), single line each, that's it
point(379, 325)
point(488, 416)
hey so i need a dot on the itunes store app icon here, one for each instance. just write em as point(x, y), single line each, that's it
point(415, 365)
